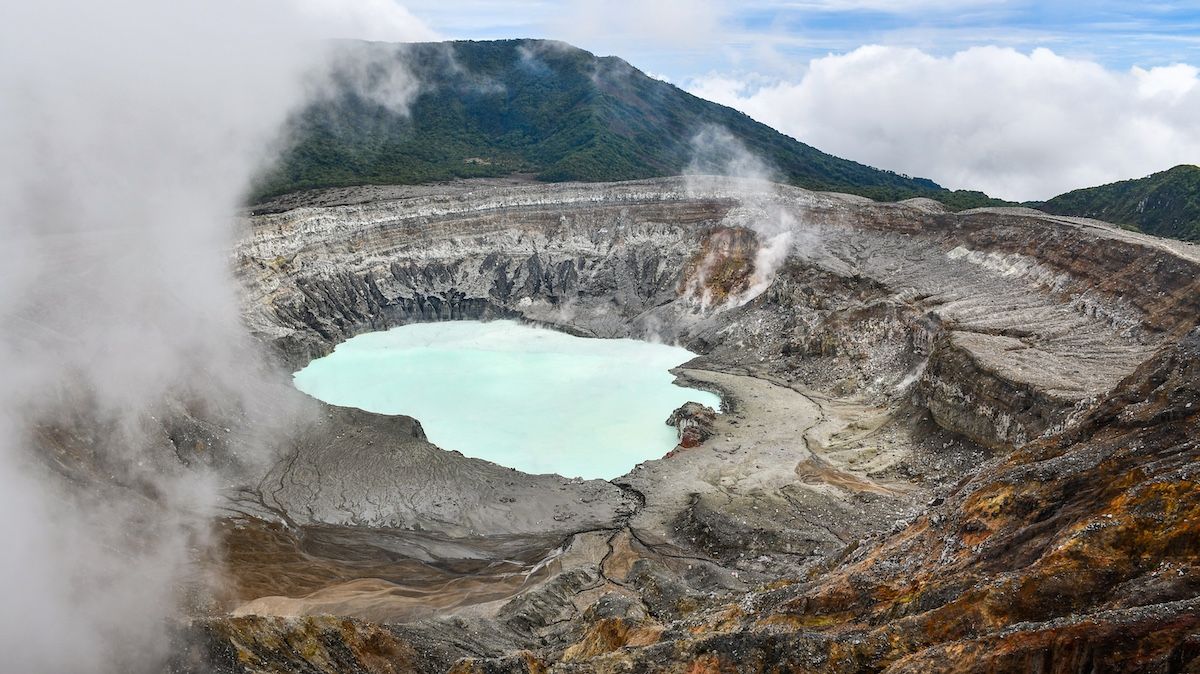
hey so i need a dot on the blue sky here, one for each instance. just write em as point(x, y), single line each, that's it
point(1021, 99)
point(779, 38)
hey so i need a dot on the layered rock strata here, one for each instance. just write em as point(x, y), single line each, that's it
point(918, 407)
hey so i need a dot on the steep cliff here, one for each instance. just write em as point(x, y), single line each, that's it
point(1020, 315)
point(947, 440)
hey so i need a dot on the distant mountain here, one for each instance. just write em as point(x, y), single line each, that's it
point(546, 109)
point(1164, 204)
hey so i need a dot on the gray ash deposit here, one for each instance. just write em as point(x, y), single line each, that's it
point(885, 354)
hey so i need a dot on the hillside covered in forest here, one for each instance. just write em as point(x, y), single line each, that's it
point(546, 110)
point(1164, 204)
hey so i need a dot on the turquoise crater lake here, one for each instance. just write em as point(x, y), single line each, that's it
point(529, 398)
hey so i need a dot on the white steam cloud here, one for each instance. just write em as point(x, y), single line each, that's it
point(375, 72)
point(716, 152)
point(130, 129)
point(1017, 126)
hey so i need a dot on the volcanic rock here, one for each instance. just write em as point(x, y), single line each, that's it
point(949, 441)
point(694, 423)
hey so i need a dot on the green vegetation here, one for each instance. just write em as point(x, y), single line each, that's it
point(546, 109)
point(1164, 204)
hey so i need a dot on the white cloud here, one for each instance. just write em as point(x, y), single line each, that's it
point(629, 23)
point(381, 20)
point(1175, 81)
point(1016, 125)
point(130, 131)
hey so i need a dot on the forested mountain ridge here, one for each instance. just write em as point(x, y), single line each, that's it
point(1164, 204)
point(545, 109)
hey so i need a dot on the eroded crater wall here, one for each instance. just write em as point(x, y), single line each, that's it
point(1000, 322)
point(886, 343)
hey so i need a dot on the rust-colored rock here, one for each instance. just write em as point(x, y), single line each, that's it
point(523, 662)
point(694, 424)
point(723, 267)
point(320, 645)
point(610, 634)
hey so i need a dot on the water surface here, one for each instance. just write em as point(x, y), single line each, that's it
point(533, 399)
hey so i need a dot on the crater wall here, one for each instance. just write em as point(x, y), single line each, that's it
point(1000, 322)
point(880, 363)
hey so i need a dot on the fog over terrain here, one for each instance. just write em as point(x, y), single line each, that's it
point(130, 131)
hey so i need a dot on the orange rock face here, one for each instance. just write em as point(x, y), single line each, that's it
point(611, 634)
point(723, 267)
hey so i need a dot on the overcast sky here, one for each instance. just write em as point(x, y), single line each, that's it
point(1023, 99)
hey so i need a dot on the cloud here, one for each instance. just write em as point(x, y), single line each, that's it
point(379, 20)
point(131, 130)
point(680, 39)
point(632, 23)
point(716, 152)
point(1020, 126)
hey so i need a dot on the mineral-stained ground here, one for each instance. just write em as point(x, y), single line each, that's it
point(950, 442)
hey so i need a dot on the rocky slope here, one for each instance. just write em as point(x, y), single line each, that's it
point(1047, 309)
point(949, 440)
point(1076, 553)
point(1163, 204)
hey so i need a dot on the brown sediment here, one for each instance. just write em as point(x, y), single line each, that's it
point(273, 569)
point(816, 470)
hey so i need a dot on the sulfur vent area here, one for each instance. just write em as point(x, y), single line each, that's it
point(951, 442)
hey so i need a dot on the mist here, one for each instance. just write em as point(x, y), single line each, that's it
point(718, 153)
point(132, 130)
